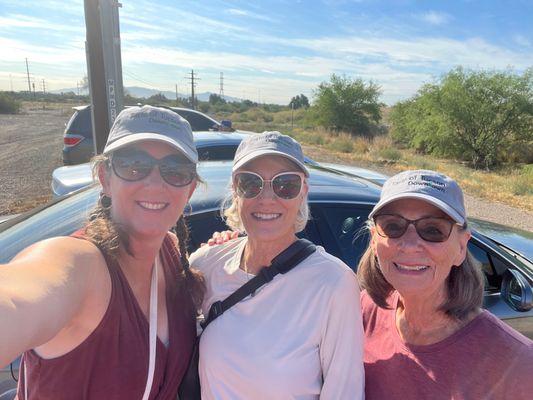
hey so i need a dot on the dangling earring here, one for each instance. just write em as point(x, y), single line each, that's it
point(105, 201)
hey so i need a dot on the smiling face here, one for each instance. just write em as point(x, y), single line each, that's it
point(412, 265)
point(149, 207)
point(268, 218)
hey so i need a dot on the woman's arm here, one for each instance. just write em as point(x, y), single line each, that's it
point(341, 348)
point(41, 290)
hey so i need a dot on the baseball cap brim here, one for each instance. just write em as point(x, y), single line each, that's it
point(259, 153)
point(420, 196)
point(150, 136)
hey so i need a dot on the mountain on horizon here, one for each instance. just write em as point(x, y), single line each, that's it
point(144, 93)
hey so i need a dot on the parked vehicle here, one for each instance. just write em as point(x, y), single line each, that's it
point(339, 204)
point(212, 146)
point(78, 143)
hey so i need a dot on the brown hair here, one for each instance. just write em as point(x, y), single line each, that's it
point(464, 285)
point(108, 236)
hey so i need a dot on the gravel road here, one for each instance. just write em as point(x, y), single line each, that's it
point(30, 149)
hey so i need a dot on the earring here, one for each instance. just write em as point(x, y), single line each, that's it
point(105, 201)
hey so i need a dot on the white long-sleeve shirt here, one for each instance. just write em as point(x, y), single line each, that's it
point(298, 337)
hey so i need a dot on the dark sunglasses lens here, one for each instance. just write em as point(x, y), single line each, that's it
point(131, 166)
point(175, 172)
point(287, 186)
point(434, 229)
point(248, 185)
point(391, 226)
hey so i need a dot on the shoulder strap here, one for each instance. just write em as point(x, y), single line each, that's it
point(281, 264)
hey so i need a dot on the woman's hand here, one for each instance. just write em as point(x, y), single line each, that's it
point(221, 237)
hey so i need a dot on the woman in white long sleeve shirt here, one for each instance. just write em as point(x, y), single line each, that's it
point(300, 335)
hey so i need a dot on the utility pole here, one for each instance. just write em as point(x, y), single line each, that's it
point(176, 92)
point(44, 87)
point(192, 78)
point(28, 74)
point(33, 84)
point(104, 66)
point(221, 92)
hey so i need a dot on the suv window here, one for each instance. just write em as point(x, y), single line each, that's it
point(217, 153)
point(342, 230)
point(198, 122)
point(80, 123)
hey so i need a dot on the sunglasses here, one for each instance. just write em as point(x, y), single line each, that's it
point(286, 185)
point(136, 165)
point(430, 229)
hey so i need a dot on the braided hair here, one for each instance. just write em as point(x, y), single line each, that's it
point(194, 281)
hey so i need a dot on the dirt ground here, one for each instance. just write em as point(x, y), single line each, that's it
point(30, 149)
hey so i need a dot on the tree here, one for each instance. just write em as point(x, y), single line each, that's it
point(347, 104)
point(472, 115)
point(216, 99)
point(300, 101)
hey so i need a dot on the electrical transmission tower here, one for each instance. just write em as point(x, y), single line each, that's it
point(43, 84)
point(221, 92)
point(193, 80)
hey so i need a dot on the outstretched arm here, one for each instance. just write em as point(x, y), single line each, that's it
point(41, 290)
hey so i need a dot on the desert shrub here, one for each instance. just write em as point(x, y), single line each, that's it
point(345, 104)
point(8, 105)
point(484, 117)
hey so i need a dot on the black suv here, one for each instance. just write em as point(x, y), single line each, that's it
point(78, 146)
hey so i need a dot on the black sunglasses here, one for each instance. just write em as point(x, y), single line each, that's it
point(135, 165)
point(286, 185)
point(431, 229)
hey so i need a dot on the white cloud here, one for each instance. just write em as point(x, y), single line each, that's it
point(24, 21)
point(522, 40)
point(435, 17)
point(245, 13)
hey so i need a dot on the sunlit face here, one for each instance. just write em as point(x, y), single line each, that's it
point(267, 217)
point(409, 263)
point(148, 207)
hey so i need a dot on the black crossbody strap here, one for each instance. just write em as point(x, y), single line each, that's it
point(281, 264)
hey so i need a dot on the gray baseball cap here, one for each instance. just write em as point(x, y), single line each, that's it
point(437, 189)
point(136, 124)
point(269, 143)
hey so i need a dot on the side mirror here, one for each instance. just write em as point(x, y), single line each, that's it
point(226, 125)
point(516, 290)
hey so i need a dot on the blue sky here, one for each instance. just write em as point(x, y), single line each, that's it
point(270, 51)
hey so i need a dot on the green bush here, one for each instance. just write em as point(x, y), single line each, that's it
point(8, 105)
point(482, 117)
point(345, 104)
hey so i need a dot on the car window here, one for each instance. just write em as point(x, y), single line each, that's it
point(198, 121)
point(342, 230)
point(80, 123)
point(217, 153)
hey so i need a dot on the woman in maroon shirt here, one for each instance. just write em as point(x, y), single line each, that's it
point(426, 335)
point(109, 313)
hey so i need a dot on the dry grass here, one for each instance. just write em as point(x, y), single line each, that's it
point(512, 185)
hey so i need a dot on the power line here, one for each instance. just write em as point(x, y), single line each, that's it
point(192, 78)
